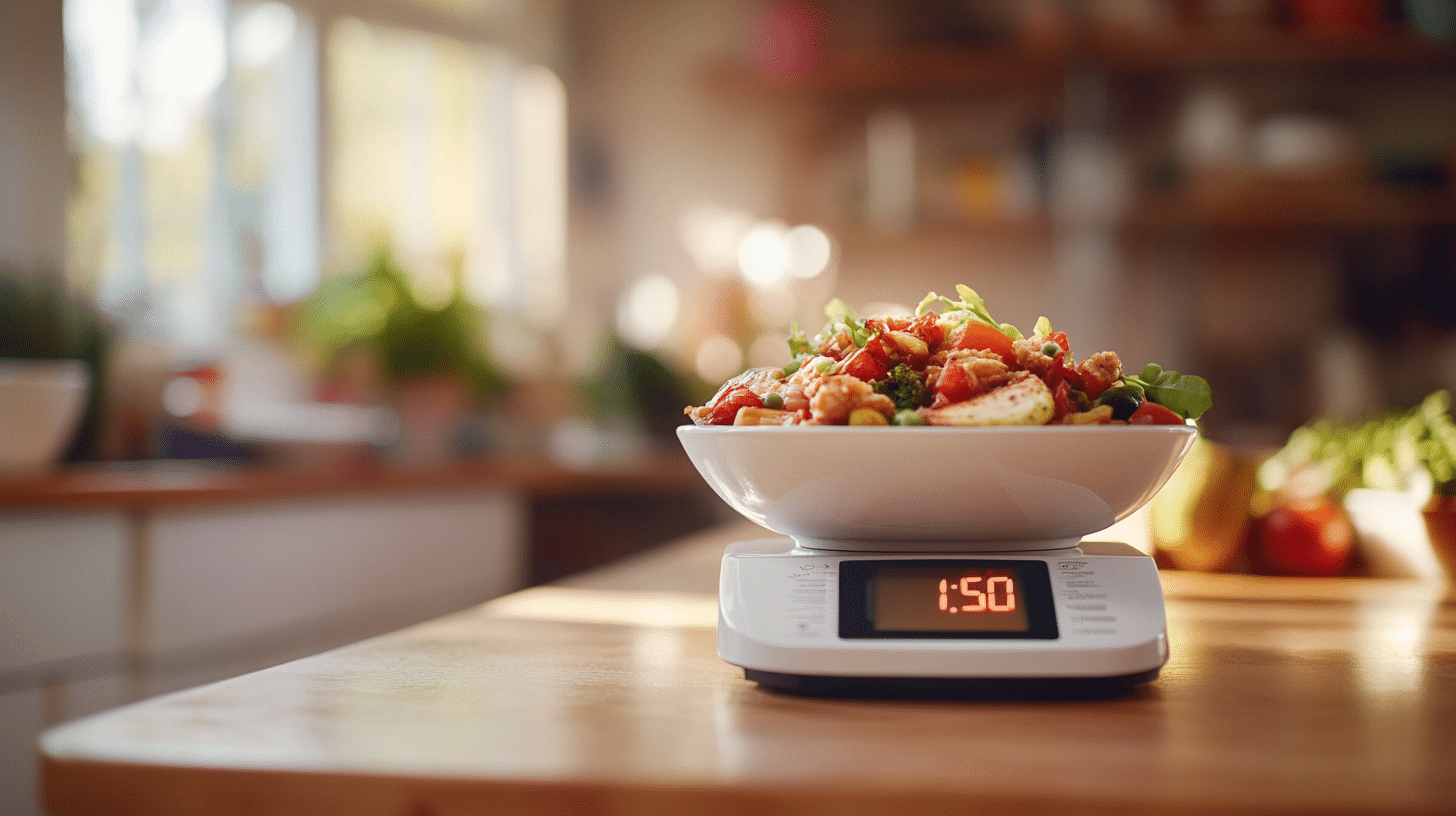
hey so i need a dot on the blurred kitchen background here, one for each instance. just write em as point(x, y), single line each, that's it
point(346, 274)
point(546, 223)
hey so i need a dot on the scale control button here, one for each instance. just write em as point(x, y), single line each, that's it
point(808, 629)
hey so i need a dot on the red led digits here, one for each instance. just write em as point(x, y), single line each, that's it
point(978, 603)
point(1007, 605)
point(987, 600)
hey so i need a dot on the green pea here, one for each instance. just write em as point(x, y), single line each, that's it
point(1050, 349)
point(793, 366)
point(908, 417)
point(773, 400)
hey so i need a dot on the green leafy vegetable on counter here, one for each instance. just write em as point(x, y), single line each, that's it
point(1382, 453)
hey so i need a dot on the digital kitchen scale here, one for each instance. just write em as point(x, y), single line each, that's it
point(1086, 620)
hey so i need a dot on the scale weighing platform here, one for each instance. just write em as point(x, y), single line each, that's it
point(1086, 620)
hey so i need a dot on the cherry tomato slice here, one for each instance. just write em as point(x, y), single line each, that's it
point(883, 349)
point(1151, 413)
point(1062, 401)
point(726, 408)
point(927, 328)
point(976, 335)
point(862, 364)
point(954, 385)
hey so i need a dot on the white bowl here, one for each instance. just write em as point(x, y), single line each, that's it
point(936, 489)
point(40, 405)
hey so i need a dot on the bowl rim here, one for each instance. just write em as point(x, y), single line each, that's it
point(978, 430)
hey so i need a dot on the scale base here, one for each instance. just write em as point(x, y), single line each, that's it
point(954, 688)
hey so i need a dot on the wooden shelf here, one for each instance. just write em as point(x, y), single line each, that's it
point(1268, 50)
point(1294, 204)
point(872, 72)
point(945, 69)
point(1259, 205)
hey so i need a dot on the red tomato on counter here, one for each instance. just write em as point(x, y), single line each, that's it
point(1305, 537)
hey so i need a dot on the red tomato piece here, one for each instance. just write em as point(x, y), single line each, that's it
point(883, 349)
point(1056, 375)
point(974, 334)
point(1306, 537)
point(862, 364)
point(954, 385)
point(1091, 386)
point(726, 408)
point(1062, 402)
point(1151, 413)
point(927, 328)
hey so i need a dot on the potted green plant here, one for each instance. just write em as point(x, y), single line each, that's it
point(432, 359)
point(52, 350)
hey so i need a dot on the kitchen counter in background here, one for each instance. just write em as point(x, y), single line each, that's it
point(122, 582)
point(602, 693)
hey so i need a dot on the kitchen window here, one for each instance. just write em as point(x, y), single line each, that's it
point(231, 153)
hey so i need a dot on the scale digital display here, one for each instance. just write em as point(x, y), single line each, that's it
point(946, 598)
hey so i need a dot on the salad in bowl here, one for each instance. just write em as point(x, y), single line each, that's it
point(955, 367)
point(945, 431)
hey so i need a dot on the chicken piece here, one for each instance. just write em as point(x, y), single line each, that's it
point(765, 416)
point(1030, 357)
point(759, 381)
point(1100, 371)
point(832, 399)
point(986, 367)
point(793, 395)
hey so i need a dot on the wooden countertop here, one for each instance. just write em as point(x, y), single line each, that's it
point(604, 694)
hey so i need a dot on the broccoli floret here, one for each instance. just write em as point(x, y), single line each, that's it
point(903, 386)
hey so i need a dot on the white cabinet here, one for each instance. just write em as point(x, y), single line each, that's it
point(231, 574)
point(63, 631)
point(101, 608)
point(63, 580)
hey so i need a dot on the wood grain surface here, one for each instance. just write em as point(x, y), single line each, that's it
point(604, 694)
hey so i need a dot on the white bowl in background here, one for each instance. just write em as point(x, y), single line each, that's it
point(41, 402)
point(936, 489)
